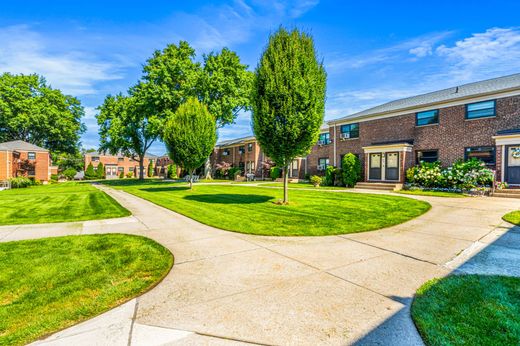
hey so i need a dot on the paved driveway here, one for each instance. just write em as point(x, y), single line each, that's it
point(231, 288)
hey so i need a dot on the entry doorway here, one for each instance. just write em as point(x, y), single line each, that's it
point(392, 166)
point(375, 163)
point(512, 164)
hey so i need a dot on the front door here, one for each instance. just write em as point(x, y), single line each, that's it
point(374, 170)
point(513, 164)
point(392, 166)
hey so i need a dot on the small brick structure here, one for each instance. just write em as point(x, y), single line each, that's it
point(117, 164)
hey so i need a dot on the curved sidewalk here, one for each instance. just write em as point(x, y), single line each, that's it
point(231, 288)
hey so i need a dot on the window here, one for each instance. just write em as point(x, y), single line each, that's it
point(343, 155)
point(485, 154)
point(480, 110)
point(250, 147)
point(427, 118)
point(120, 169)
point(95, 158)
point(226, 152)
point(349, 131)
point(130, 169)
point(31, 156)
point(323, 163)
point(427, 156)
point(241, 150)
point(120, 159)
point(31, 172)
point(250, 167)
point(241, 166)
point(324, 139)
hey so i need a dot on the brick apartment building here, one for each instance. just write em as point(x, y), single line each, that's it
point(117, 164)
point(480, 119)
point(246, 154)
point(19, 158)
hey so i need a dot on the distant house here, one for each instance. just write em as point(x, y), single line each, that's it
point(117, 164)
point(23, 159)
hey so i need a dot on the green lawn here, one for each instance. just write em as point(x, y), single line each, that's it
point(469, 310)
point(249, 209)
point(50, 284)
point(431, 193)
point(303, 186)
point(57, 203)
point(512, 217)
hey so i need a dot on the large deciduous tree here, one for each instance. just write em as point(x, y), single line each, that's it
point(32, 111)
point(288, 98)
point(190, 135)
point(126, 126)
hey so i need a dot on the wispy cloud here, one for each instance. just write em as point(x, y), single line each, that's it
point(23, 50)
point(418, 47)
point(493, 52)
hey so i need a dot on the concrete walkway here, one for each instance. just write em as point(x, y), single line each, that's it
point(230, 288)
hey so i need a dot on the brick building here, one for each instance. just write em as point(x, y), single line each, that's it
point(117, 164)
point(246, 154)
point(480, 119)
point(19, 158)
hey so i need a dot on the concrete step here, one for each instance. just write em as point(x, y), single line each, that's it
point(375, 186)
point(506, 195)
point(510, 191)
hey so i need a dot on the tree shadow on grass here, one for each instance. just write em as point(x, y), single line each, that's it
point(165, 189)
point(225, 198)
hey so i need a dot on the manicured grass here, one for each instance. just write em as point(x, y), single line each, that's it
point(303, 186)
point(50, 284)
point(253, 210)
point(469, 310)
point(512, 217)
point(431, 193)
point(57, 203)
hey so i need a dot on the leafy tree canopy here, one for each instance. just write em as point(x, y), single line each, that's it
point(288, 98)
point(32, 111)
point(190, 135)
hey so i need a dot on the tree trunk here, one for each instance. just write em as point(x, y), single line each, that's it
point(285, 184)
point(141, 167)
point(191, 179)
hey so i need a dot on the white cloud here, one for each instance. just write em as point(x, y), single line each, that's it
point(420, 46)
point(489, 54)
point(23, 50)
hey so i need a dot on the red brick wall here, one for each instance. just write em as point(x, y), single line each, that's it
point(126, 163)
point(449, 137)
point(5, 164)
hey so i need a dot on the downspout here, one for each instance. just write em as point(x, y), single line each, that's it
point(335, 140)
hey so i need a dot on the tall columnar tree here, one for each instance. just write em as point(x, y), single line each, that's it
point(190, 135)
point(150, 169)
point(128, 126)
point(100, 171)
point(90, 173)
point(288, 98)
point(32, 111)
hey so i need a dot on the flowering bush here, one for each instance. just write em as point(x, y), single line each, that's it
point(463, 175)
point(222, 170)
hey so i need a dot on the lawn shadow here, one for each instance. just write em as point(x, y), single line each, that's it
point(227, 198)
point(165, 189)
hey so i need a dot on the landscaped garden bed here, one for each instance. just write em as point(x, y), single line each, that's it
point(254, 210)
point(469, 310)
point(50, 284)
point(57, 203)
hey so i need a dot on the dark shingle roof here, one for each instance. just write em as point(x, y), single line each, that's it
point(20, 145)
point(467, 90)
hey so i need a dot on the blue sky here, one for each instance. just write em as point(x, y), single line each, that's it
point(374, 51)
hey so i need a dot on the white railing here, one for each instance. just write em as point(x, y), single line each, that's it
point(187, 178)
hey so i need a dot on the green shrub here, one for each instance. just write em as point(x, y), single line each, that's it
point(54, 177)
point(350, 170)
point(275, 173)
point(172, 172)
point(330, 176)
point(150, 169)
point(316, 180)
point(100, 171)
point(233, 172)
point(20, 182)
point(122, 175)
point(90, 173)
point(129, 174)
point(69, 173)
